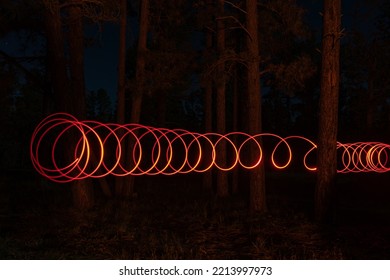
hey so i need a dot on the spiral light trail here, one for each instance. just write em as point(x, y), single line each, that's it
point(95, 149)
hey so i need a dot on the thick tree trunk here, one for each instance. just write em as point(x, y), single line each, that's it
point(76, 60)
point(120, 113)
point(82, 190)
point(208, 107)
point(257, 201)
point(235, 186)
point(222, 182)
point(63, 98)
point(56, 58)
point(327, 138)
point(140, 81)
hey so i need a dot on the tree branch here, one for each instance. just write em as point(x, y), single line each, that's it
point(235, 6)
point(237, 21)
point(11, 60)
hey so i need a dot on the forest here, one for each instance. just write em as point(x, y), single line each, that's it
point(204, 129)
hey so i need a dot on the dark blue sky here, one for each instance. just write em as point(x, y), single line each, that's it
point(101, 61)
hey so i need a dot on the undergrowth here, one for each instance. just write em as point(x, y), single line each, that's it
point(176, 221)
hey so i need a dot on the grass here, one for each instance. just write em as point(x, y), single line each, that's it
point(173, 219)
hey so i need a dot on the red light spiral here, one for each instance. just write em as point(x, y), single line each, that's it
point(95, 149)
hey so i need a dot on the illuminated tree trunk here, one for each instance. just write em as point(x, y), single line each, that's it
point(257, 201)
point(140, 82)
point(208, 101)
point(222, 182)
point(328, 111)
point(69, 97)
point(82, 190)
point(235, 184)
point(120, 113)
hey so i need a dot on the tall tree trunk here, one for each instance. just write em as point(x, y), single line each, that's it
point(76, 60)
point(56, 57)
point(222, 182)
point(327, 138)
point(257, 201)
point(82, 190)
point(120, 113)
point(235, 127)
point(140, 82)
point(64, 100)
point(208, 105)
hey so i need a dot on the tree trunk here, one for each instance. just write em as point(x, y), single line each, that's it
point(328, 111)
point(82, 190)
point(120, 113)
point(208, 107)
point(140, 81)
point(76, 60)
point(64, 100)
point(222, 182)
point(56, 58)
point(257, 201)
point(235, 186)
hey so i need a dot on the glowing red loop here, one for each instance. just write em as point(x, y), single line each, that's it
point(94, 150)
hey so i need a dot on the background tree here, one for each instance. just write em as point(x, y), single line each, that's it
point(364, 85)
point(64, 100)
point(257, 177)
point(68, 87)
point(222, 182)
point(82, 190)
point(205, 21)
point(328, 111)
point(137, 95)
point(120, 110)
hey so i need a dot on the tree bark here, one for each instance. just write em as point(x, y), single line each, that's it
point(222, 182)
point(82, 190)
point(208, 106)
point(140, 81)
point(63, 98)
point(76, 60)
point(120, 113)
point(257, 202)
point(56, 57)
point(328, 110)
point(235, 186)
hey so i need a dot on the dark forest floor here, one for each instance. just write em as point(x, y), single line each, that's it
point(172, 218)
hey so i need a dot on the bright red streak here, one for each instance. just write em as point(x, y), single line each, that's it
point(99, 149)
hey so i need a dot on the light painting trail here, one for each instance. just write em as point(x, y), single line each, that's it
point(94, 149)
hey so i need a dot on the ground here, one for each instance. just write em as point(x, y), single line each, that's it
point(173, 218)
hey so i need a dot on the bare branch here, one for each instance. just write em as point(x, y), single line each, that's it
point(237, 21)
point(232, 58)
point(235, 6)
point(210, 29)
